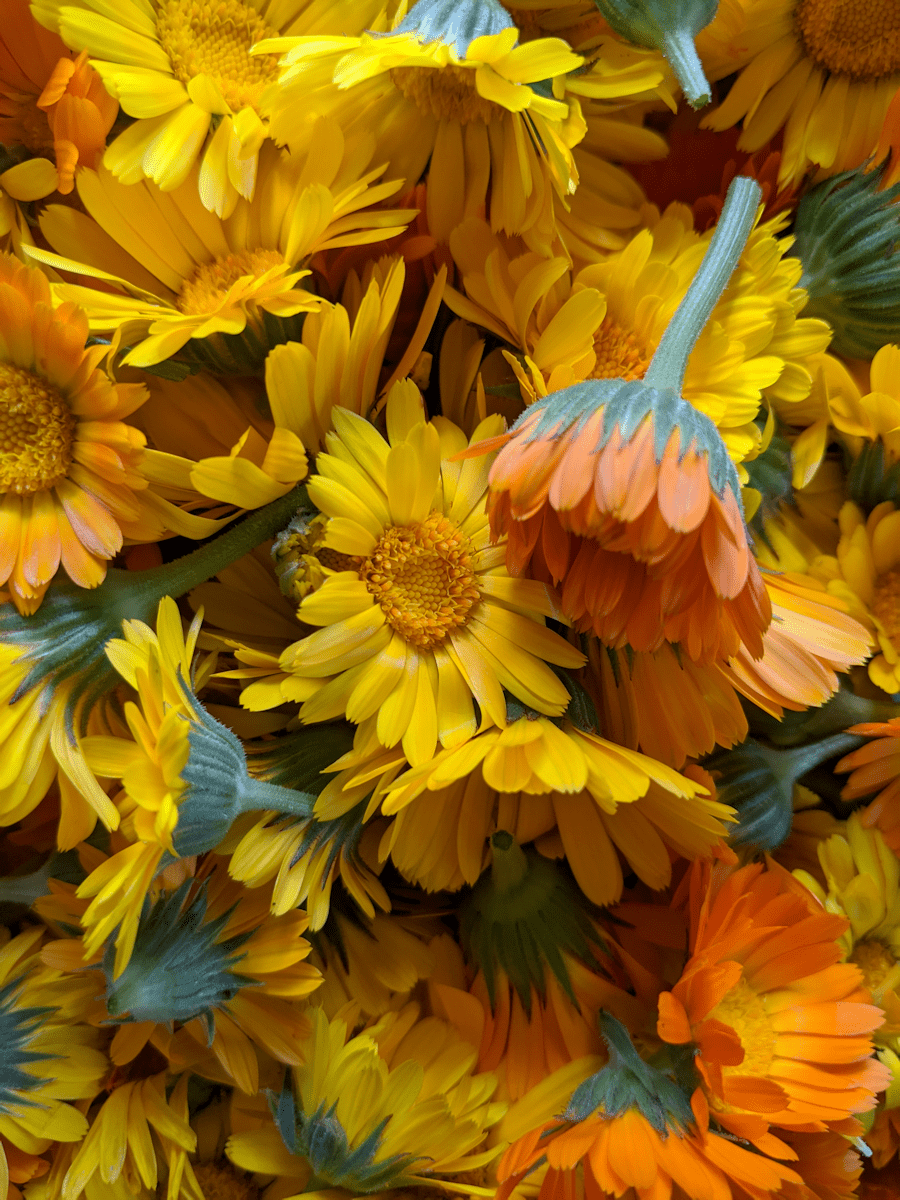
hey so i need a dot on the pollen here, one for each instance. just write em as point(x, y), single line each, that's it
point(743, 1009)
point(619, 353)
point(37, 432)
point(447, 93)
point(221, 1181)
point(213, 37)
point(849, 38)
point(886, 604)
point(878, 965)
point(208, 287)
point(423, 578)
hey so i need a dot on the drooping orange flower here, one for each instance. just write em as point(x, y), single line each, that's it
point(875, 767)
point(51, 102)
point(633, 507)
point(782, 1028)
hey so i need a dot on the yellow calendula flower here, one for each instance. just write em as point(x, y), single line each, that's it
point(865, 574)
point(424, 619)
point(606, 320)
point(451, 84)
point(395, 1106)
point(862, 883)
point(48, 1056)
point(185, 73)
point(823, 71)
point(222, 290)
point(570, 790)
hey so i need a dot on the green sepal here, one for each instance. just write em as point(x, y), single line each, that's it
point(668, 26)
point(17, 1027)
point(455, 23)
point(845, 234)
point(629, 1082)
point(177, 970)
point(219, 787)
point(65, 639)
point(241, 353)
point(872, 478)
point(771, 473)
point(521, 917)
point(758, 780)
point(298, 760)
point(838, 713)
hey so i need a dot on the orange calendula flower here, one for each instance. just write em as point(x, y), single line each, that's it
point(52, 103)
point(781, 1026)
point(69, 466)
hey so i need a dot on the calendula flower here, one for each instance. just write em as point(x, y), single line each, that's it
point(186, 76)
point(781, 1026)
point(426, 619)
point(591, 799)
point(451, 85)
point(220, 290)
point(49, 1057)
point(823, 74)
point(865, 574)
point(424, 1114)
point(52, 103)
point(862, 883)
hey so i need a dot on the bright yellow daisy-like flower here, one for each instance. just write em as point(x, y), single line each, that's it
point(395, 1106)
point(824, 71)
point(223, 289)
point(72, 488)
point(185, 73)
point(48, 1056)
point(572, 791)
point(606, 320)
point(425, 619)
point(865, 573)
point(449, 83)
point(862, 877)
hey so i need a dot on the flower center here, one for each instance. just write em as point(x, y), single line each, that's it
point(619, 353)
point(849, 38)
point(886, 603)
point(423, 578)
point(878, 965)
point(300, 557)
point(37, 431)
point(214, 39)
point(447, 93)
point(221, 1181)
point(207, 288)
point(744, 1011)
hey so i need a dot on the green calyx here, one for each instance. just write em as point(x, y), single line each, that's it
point(18, 1026)
point(668, 26)
point(758, 780)
point(629, 1082)
point(299, 760)
point(320, 1138)
point(178, 969)
point(844, 709)
point(455, 23)
point(873, 477)
point(771, 474)
point(63, 642)
point(845, 235)
point(522, 917)
point(219, 787)
point(626, 404)
point(241, 353)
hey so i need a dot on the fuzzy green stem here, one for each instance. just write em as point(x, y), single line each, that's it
point(681, 54)
point(668, 365)
point(259, 796)
point(796, 762)
point(844, 709)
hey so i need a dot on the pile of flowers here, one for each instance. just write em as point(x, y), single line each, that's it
point(449, 599)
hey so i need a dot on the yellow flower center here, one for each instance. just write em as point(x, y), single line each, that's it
point(877, 963)
point(447, 93)
point(423, 578)
point(37, 431)
point(619, 353)
point(848, 37)
point(213, 37)
point(221, 1181)
point(744, 1010)
point(886, 603)
point(207, 288)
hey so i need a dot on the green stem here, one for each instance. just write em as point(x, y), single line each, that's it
point(681, 55)
point(796, 762)
point(668, 365)
point(259, 796)
point(844, 709)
